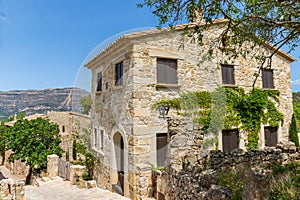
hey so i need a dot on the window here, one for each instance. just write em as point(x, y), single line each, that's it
point(119, 73)
point(98, 139)
point(166, 71)
point(270, 136)
point(267, 78)
point(230, 140)
point(99, 85)
point(101, 139)
point(227, 74)
point(96, 142)
point(161, 148)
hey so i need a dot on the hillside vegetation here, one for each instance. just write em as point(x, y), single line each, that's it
point(296, 104)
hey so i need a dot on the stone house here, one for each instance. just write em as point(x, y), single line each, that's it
point(139, 69)
point(71, 125)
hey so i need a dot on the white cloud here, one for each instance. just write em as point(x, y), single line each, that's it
point(296, 82)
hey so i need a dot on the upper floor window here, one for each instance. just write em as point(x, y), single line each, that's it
point(99, 84)
point(267, 78)
point(166, 71)
point(227, 75)
point(119, 73)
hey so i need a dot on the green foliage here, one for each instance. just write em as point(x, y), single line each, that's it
point(86, 176)
point(32, 141)
point(285, 181)
point(233, 179)
point(85, 157)
point(293, 132)
point(296, 107)
point(209, 142)
point(230, 108)
point(250, 22)
point(86, 103)
point(153, 168)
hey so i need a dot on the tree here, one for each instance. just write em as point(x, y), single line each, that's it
point(293, 132)
point(86, 103)
point(3, 146)
point(251, 22)
point(296, 107)
point(32, 141)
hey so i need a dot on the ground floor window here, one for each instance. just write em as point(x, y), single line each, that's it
point(161, 148)
point(98, 139)
point(270, 136)
point(230, 140)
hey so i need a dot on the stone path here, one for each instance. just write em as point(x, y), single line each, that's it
point(58, 189)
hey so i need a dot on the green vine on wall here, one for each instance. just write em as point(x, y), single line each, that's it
point(228, 108)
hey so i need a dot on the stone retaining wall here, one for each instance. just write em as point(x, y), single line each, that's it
point(12, 190)
point(193, 173)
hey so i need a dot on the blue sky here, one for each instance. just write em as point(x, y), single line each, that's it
point(43, 43)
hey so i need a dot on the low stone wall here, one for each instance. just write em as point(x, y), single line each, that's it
point(198, 178)
point(193, 173)
point(12, 190)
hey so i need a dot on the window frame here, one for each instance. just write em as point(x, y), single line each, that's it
point(265, 76)
point(119, 71)
point(225, 73)
point(231, 132)
point(271, 131)
point(160, 161)
point(167, 71)
point(99, 87)
point(98, 139)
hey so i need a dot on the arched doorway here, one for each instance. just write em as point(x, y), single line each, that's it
point(119, 158)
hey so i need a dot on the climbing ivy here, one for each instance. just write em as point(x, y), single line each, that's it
point(227, 108)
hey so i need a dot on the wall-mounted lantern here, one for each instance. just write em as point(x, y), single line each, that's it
point(163, 111)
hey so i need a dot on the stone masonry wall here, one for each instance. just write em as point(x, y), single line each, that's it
point(191, 171)
point(11, 189)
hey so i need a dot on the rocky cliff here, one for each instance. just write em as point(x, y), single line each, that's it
point(40, 101)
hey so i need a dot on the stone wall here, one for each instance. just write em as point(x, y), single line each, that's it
point(11, 189)
point(71, 125)
point(192, 172)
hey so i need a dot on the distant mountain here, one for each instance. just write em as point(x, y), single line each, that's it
point(40, 101)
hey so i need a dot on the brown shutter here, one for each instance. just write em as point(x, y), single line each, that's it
point(270, 136)
point(227, 74)
point(161, 148)
point(230, 140)
point(166, 71)
point(267, 78)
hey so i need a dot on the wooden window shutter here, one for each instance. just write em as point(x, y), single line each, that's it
point(161, 148)
point(270, 136)
point(228, 74)
point(166, 71)
point(230, 140)
point(267, 78)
